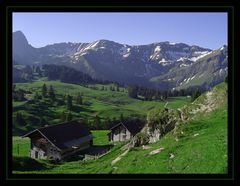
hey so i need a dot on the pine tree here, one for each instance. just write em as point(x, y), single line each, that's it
point(79, 100)
point(132, 91)
point(69, 116)
point(51, 93)
point(18, 95)
point(69, 102)
point(64, 98)
point(117, 89)
point(182, 92)
point(37, 96)
point(114, 120)
point(44, 90)
point(63, 116)
point(97, 122)
point(38, 70)
point(19, 119)
point(165, 94)
point(121, 117)
point(108, 122)
point(43, 122)
point(195, 95)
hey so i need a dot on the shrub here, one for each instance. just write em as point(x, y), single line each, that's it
point(141, 139)
point(163, 119)
point(195, 95)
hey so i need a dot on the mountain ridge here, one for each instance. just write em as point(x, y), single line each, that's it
point(129, 64)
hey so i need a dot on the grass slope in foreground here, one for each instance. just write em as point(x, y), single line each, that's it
point(199, 146)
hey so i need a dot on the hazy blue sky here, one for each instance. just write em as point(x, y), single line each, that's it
point(204, 29)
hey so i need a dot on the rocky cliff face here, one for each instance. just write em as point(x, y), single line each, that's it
point(162, 121)
point(23, 52)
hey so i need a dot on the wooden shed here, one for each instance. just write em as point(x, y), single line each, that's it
point(125, 130)
point(59, 141)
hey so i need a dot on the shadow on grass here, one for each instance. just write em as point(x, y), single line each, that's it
point(83, 109)
point(27, 164)
point(93, 151)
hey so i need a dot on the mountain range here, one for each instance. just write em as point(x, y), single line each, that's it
point(162, 65)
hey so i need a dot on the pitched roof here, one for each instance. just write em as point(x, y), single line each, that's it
point(133, 126)
point(59, 134)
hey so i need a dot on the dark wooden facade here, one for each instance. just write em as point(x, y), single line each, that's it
point(59, 141)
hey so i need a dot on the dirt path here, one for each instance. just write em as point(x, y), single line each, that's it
point(119, 157)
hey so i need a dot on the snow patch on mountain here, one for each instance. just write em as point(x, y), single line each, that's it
point(175, 55)
point(124, 51)
point(192, 78)
point(156, 53)
point(93, 45)
point(126, 55)
point(184, 65)
point(90, 46)
point(84, 53)
point(162, 61)
point(182, 59)
point(203, 54)
point(157, 49)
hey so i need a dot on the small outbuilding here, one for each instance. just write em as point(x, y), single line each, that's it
point(125, 130)
point(59, 141)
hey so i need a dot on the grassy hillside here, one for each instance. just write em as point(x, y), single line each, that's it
point(104, 103)
point(198, 146)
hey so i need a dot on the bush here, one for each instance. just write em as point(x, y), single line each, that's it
point(163, 119)
point(157, 118)
point(140, 139)
point(195, 95)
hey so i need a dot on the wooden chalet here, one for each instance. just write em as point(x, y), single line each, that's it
point(125, 130)
point(59, 141)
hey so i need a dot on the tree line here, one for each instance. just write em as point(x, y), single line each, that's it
point(69, 75)
point(148, 94)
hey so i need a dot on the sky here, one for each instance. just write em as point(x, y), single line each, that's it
point(207, 30)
